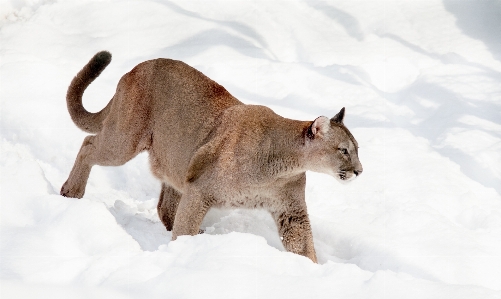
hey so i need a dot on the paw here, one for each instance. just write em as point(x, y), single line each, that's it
point(68, 191)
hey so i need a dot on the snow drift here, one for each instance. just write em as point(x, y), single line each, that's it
point(421, 83)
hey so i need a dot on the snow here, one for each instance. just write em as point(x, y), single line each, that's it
point(421, 83)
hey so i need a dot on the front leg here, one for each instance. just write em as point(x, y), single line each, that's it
point(191, 211)
point(292, 219)
point(295, 231)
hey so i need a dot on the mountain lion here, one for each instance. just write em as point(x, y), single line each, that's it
point(208, 148)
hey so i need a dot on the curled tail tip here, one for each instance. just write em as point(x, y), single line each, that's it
point(104, 56)
point(100, 61)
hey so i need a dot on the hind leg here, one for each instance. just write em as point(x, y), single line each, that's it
point(77, 180)
point(167, 205)
point(109, 148)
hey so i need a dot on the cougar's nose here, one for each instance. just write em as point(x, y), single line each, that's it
point(357, 172)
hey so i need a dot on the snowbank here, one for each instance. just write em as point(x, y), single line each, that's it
point(421, 84)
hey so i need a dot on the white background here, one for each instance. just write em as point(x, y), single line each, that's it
point(421, 83)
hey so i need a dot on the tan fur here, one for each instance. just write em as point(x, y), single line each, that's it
point(207, 148)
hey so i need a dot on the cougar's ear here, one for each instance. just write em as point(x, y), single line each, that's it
point(319, 126)
point(338, 118)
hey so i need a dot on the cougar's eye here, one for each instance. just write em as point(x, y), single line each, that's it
point(343, 151)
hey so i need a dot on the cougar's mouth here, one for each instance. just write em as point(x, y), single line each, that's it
point(346, 175)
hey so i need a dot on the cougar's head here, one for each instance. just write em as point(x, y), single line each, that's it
point(331, 149)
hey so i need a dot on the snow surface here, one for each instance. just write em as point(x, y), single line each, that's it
point(421, 83)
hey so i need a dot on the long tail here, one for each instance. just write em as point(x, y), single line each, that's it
point(85, 120)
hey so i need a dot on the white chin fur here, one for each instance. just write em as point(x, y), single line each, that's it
point(348, 177)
